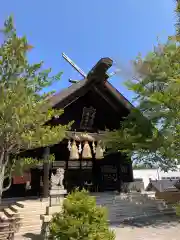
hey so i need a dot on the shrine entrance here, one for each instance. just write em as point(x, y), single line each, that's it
point(96, 179)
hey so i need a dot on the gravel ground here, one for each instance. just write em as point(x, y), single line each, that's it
point(155, 228)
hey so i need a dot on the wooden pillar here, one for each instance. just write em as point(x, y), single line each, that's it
point(131, 177)
point(119, 177)
point(119, 173)
point(46, 168)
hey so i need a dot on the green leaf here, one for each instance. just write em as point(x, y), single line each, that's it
point(23, 110)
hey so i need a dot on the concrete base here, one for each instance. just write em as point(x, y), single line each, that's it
point(56, 200)
point(45, 218)
point(57, 196)
point(58, 191)
point(53, 209)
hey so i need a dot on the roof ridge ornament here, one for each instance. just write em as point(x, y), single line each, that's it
point(101, 67)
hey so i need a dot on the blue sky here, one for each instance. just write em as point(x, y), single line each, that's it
point(89, 30)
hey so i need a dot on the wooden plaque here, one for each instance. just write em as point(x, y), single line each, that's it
point(86, 164)
point(58, 164)
point(74, 164)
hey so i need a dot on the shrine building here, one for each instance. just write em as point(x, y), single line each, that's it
point(95, 106)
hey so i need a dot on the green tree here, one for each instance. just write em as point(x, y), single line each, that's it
point(151, 132)
point(80, 219)
point(24, 109)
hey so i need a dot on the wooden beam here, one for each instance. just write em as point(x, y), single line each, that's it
point(46, 168)
point(82, 135)
point(107, 100)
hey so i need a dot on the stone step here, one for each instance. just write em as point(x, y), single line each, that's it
point(3, 216)
point(131, 214)
point(30, 225)
point(20, 204)
point(32, 215)
point(30, 236)
point(15, 208)
point(167, 210)
point(24, 204)
point(121, 203)
point(29, 229)
point(29, 215)
point(132, 208)
point(125, 199)
point(34, 236)
point(133, 211)
point(32, 209)
point(9, 213)
point(27, 211)
point(128, 203)
point(31, 220)
point(35, 226)
point(28, 206)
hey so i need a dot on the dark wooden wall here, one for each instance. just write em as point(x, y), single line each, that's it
point(106, 117)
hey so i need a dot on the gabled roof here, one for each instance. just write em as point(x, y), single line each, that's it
point(63, 94)
point(98, 74)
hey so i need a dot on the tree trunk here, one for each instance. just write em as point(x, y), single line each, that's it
point(2, 178)
point(2, 170)
point(4, 160)
point(1, 185)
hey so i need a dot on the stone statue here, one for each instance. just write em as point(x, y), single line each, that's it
point(57, 179)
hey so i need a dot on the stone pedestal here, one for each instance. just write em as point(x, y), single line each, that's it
point(56, 201)
point(57, 196)
point(45, 226)
point(55, 205)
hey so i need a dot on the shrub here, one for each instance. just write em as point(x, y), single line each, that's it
point(177, 209)
point(80, 219)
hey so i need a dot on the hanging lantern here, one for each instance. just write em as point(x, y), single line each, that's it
point(86, 153)
point(74, 154)
point(99, 151)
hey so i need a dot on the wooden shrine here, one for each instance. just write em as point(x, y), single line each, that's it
point(94, 105)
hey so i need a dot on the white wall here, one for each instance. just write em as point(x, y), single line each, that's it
point(154, 174)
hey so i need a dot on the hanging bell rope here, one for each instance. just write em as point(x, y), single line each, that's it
point(86, 153)
point(74, 153)
point(99, 151)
